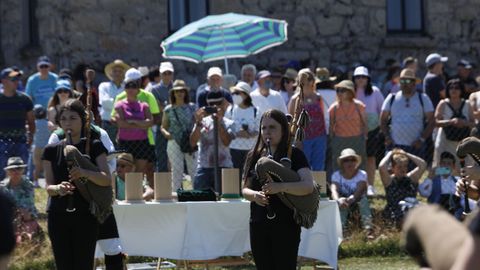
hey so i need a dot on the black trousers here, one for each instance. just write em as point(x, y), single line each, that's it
point(275, 246)
point(73, 237)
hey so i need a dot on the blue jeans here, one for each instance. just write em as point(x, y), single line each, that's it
point(11, 148)
point(205, 179)
point(315, 150)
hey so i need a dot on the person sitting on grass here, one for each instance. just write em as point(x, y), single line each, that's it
point(126, 164)
point(22, 193)
point(401, 183)
point(440, 189)
point(349, 186)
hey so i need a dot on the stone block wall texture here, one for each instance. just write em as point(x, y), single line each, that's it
point(320, 33)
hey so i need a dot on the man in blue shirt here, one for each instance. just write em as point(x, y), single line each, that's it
point(41, 85)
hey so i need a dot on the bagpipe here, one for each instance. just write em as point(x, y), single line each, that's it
point(100, 198)
point(305, 207)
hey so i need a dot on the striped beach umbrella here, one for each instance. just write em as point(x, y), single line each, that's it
point(229, 35)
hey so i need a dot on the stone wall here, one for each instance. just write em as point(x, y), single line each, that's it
point(321, 32)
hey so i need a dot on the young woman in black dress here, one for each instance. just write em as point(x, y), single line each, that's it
point(274, 242)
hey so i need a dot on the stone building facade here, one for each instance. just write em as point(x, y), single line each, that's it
point(320, 32)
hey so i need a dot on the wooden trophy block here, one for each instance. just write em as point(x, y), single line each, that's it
point(134, 187)
point(320, 178)
point(162, 186)
point(230, 184)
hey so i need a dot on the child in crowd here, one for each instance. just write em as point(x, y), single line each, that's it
point(349, 186)
point(440, 189)
point(399, 183)
point(126, 164)
point(40, 139)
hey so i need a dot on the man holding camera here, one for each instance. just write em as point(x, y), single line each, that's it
point(203, 133)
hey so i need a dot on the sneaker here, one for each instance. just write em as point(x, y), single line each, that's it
point(371, 191)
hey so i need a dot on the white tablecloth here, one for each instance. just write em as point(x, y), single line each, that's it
point(208, 230)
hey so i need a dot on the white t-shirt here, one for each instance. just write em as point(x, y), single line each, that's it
point(273, 101)
point(107, 91)
point(242, 118)
point(348, 186)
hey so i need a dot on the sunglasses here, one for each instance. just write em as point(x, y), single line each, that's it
point(13, 79)
point(406, 81)
point(123, 165)
point(43, 66)
point(16, 169)
point(131, 85)
point(167, 73)
point(350, 160)
point(63, 91)
point(290, 81)
point(361, 77)
point(342, 90)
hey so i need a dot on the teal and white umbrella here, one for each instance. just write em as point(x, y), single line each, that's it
point(229, 35)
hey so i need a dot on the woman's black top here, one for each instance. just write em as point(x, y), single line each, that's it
point(54, 154)
point(258, 214)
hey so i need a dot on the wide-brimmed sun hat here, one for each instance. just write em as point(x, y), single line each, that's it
point(15, 162)
point(117, 63)
point(346, 153)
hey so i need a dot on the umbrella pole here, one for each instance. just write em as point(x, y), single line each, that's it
point(226, 65)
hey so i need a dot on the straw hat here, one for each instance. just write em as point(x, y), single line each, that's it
point(346, 153)
point(408, 74)
point(291, 74)
point(347, 84)
point(15, 162)
point(179, 85)
point(117, 63)
point(127, 157)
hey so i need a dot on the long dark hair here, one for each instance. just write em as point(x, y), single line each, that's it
point(173, 100)
point(260, 148)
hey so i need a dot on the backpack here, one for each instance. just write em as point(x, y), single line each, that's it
point(391, 103)
point(455, 133)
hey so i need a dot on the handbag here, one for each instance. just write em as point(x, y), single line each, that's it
point(184, 140)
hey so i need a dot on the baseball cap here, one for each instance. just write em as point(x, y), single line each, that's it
point(166, 66)
point(434, 58)
point(43, 60)
point(361, 71)
point(263, 74)
point(132, 75)
point(464, 63)
point(63, 84)
point(8, 73)
point(214, 71)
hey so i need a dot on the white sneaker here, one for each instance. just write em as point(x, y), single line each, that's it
point(371, 191)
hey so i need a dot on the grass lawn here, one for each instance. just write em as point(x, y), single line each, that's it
point(355, 252)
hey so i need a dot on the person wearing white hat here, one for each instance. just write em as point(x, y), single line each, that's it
point(246, 123)
point(349, 186)
point(161, 91)
point(214, 84)
point(108, 91)
point(434, 83)
point(132, 80)
point(373, 99)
